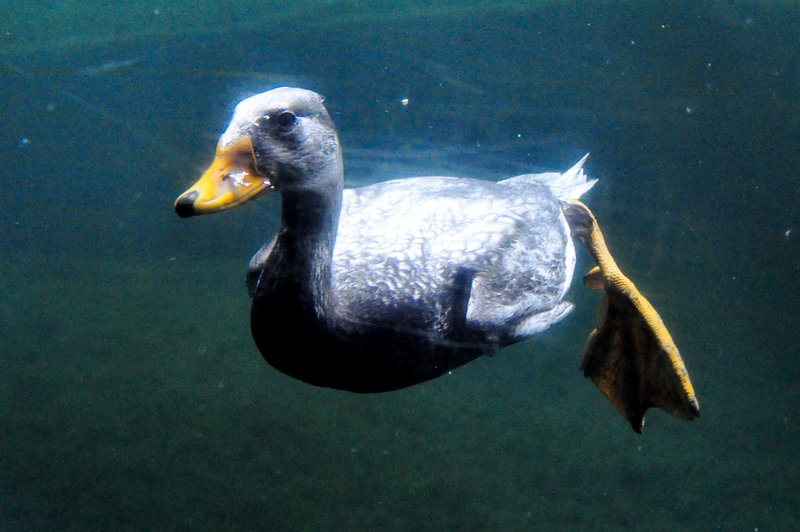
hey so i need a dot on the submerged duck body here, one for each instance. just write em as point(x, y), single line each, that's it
point(384, 286)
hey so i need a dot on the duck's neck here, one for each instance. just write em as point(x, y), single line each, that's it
point(304, 248)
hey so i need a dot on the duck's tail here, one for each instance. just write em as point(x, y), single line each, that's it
point(570, 185)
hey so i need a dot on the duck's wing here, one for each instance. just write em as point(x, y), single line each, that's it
point(630, 356)
point(420, 248)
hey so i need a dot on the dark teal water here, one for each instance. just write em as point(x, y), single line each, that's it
point(131, 394)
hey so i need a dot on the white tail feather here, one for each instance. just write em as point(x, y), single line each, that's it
point(570, 185)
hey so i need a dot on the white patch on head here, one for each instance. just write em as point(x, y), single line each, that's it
point(251, 109)
point(245, 113)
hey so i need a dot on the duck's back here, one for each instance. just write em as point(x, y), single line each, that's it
point(465, 258)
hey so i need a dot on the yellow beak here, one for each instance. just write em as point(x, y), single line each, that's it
point(231, 180)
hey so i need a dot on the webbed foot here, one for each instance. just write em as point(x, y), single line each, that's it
point(630, 356)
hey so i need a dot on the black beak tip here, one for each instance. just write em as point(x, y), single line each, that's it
point(184, 206)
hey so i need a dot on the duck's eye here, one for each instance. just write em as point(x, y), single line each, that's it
point(285, 119)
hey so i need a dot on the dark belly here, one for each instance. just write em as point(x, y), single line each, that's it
point(358, 358)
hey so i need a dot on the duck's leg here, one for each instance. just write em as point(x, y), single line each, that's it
point(630, 356)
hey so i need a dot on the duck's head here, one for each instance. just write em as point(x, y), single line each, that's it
point(281, 140)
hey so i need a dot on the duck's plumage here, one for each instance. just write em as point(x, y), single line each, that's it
point(384, 286)
point(400, 244)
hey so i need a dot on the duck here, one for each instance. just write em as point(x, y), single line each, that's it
point(381, 287)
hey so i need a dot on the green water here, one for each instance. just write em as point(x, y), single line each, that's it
point(132, 396)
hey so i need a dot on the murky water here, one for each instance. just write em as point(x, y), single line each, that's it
point(132, 396)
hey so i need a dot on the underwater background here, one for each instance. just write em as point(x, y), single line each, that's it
point(132, 395)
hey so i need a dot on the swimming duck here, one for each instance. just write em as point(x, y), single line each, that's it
point(384, 286)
